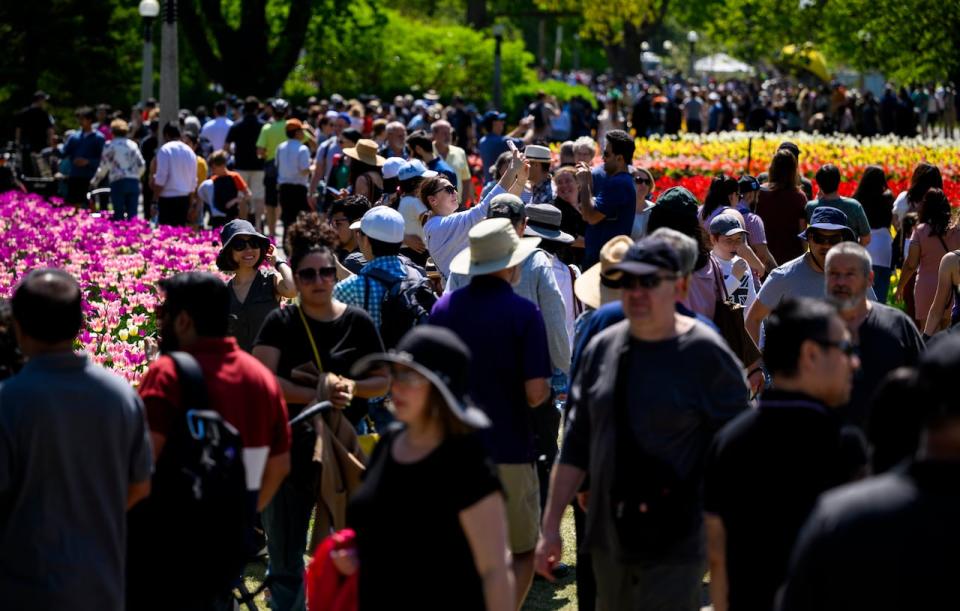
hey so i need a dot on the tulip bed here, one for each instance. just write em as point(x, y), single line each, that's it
point(117, 264)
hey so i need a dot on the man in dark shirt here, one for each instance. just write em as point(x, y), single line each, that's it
point(889, 543)
point(886, 337)
point(611, 212)
point(766, 468)
point(34, 129)
point(243, 136)
point(508, 341)
point(649, 394)
point(83, 149)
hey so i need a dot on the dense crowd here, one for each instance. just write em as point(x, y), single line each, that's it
point(383, 387)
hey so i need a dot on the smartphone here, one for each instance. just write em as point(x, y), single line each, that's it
point(511, 145)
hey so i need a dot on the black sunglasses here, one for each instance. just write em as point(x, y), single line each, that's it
point(448, 188)
point(242, 244)
point(310, 274)
point(643, 181)
point(645, 281)
point(819, 238)
point(844, 346)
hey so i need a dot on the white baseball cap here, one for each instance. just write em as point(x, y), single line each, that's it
point(381, 223)
point(391, 167)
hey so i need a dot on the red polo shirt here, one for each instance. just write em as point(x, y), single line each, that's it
point(244, 392)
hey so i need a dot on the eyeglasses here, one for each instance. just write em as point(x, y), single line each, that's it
point(822, 239)
point(844, 346)
point(447, 188)
point(646, 281)
point(310, 274)
point(243, 244)
point(407, 377)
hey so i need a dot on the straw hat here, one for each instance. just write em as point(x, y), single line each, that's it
point(365, 151)
point(494, 245)
point(589, 287)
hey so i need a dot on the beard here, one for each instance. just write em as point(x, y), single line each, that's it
point(846, 301)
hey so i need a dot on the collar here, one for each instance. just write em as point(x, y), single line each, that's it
point(775, 399)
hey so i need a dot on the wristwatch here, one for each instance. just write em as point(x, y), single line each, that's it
point(278, 262)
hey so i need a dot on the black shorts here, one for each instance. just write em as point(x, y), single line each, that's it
point(293, 201)
point(173, 210)
point(270, 192)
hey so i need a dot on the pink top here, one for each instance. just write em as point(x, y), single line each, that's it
point(702, 296)
point(931, 251)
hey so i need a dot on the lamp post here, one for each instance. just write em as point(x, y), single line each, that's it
point(169, 67)
point(149, 9)
point(692, 38)
point(864, 37)
point(497, 66)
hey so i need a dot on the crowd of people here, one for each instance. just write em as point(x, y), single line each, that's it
point(384, 390)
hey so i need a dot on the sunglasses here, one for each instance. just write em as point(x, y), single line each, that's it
point(819, 238)
point(645, 281)
point(310, 274)
point(844, 346)
point(448, 188)
point(240, 245)
point(643, 181)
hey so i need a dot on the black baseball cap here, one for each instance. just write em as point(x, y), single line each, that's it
point(747, 184)
point(786, 145)
point(648, 256)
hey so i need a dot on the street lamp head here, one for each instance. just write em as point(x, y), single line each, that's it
point(692, 37)
point(149, 9)
point(667, 46)
point(644, 46)
point(498, 30)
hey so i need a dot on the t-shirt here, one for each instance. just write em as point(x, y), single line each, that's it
point(508, 342)
point(437, 164)
point(413, 509)
point(762, 476)
point(782, 211)
point(244, 135)
point(756, 233)
point(616, 199)
point(856, 217)
point(87, 146)
point(410, 208)
point(341, 343)
point(742, 291)
point(293, 157)
point(795, 278)
point(887, 339)
point(491, 146)
point(216, 191)
point(34, 123)
point(271, 136)
point(72, 438)
point(215, 131)
point(239, 388)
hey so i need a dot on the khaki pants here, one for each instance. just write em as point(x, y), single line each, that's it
point(522, 489)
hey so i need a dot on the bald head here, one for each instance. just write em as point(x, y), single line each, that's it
point(46, 306)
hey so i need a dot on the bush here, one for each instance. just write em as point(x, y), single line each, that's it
point(516, 98)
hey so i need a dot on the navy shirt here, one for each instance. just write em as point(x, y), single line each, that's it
point(243, 134)
point(508, 343)
point(441, 166)
point(491, 146)
point(616, 198)
point(89, 146)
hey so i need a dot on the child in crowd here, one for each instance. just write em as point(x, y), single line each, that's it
point(727, 236)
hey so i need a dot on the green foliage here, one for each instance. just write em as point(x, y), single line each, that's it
point(518, 97)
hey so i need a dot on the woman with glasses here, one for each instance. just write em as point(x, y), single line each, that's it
point(446, 229)
point(254, 292)
point(311, 348)
point(643, 181)
point(431, 497)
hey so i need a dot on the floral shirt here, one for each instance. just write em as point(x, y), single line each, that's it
point(122, 159)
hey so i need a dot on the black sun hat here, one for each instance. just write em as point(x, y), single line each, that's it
point(237, 227)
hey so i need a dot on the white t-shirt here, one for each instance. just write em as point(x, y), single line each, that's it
point(562, 272)
point(743, 290)
point(901, 207)
point(410, 208)
point(215, 130)
point(881, 247)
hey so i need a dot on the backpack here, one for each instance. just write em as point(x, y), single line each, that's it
point(199, 517)
point(406, 304)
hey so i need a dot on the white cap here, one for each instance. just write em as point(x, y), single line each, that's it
point(391, 167)
point(381, 223)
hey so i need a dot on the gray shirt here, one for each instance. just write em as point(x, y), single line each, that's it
point(679, 392)
point(72, 437)
point(539, 285)
point(795, 278)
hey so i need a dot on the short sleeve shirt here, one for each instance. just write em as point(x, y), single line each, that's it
point(616, 199)
point(508, 341)
point(794, 278)
point(244, 134)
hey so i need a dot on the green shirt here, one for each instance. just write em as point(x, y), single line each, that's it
point(856, 217)
point(271, 136)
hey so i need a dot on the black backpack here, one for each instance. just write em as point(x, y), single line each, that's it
point(199, 517)
point(406, 304)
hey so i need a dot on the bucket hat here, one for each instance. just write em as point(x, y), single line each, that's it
point(829, 219)
point(237, 227)
point(494, 245)
point(543, 221)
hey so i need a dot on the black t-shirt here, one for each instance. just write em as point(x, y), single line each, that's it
point(8, 181)
point(762, 477)
point(407, 519)
point(244, 134)
point(341, 343)
point(34, 122)
point(887, 339)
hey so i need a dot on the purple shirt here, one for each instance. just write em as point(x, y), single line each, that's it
point(508, 343)
point(754, 225)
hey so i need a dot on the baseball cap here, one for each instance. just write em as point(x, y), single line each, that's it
point(280, 105)
point(829, 219)
point(332, 114)
point(786, 145)
point(346, 118)
point(726, 224)
point(391, 167)
point(40, 94)
point(679, 200)
point(294, 124)
point(381, 223)
point(648, 256)
point(508, 206)
point(494, 115)
point(748, 184)
point(413, 169)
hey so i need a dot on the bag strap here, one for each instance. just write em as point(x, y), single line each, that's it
point(717, 279)
point(313, 344)
point(193, 388)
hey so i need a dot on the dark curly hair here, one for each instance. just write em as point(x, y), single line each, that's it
point(925, 176)
point(935, 212)
point(308, 235)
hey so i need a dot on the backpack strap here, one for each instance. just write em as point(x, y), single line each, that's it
point(384, 277)
point(193, 388)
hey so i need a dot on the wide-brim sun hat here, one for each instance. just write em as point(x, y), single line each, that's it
point(233, 229)
point(589, 287)
point(543, 221)
point(494, 246)
point(443, 359)
point(365, 151)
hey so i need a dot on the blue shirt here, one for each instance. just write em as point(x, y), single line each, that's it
point(491, 146)
point(441, 166)
point(616, 199)
point(508, 343)
point(353, 290)
point(89, 146)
